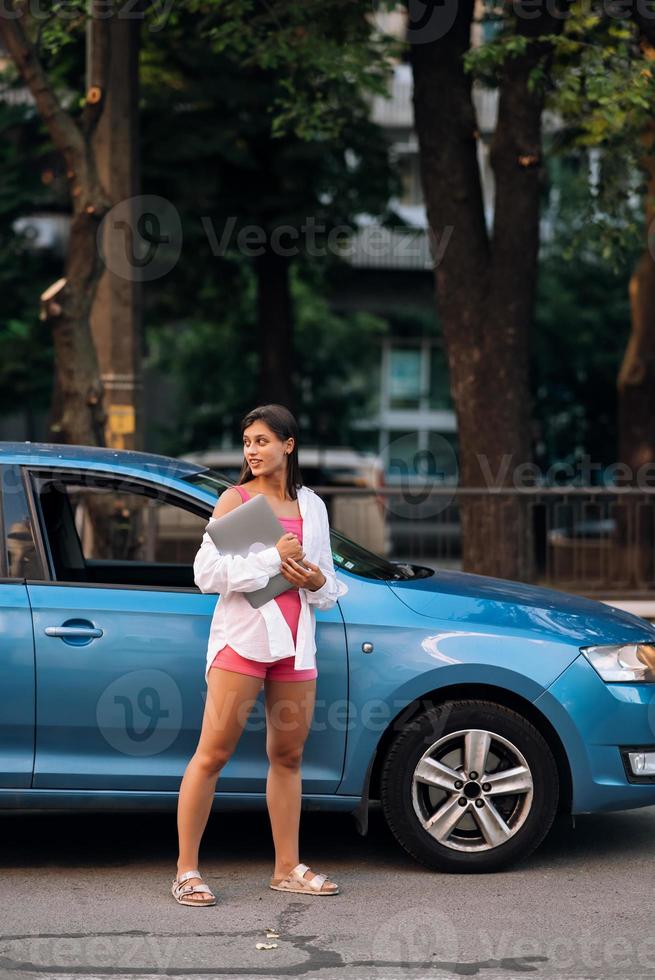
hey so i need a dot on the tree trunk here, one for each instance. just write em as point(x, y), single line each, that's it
point(275, 329)
point(77, 412)
point(636, 380)
point(77, 409)
point(116, 326)
point(485, 287)
point(636, 402)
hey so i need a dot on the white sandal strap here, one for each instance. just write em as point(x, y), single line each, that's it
point(316, 882)
point(189, 889)
point(189, 874)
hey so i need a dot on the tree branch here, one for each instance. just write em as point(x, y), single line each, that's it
point(68, 137)
point(63, 130)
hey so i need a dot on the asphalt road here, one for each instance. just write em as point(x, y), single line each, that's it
point(88, 895)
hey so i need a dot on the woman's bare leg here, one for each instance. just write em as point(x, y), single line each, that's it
point(230, 698)
point(289, 711)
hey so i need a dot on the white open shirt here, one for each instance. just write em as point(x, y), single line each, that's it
point(263, 634)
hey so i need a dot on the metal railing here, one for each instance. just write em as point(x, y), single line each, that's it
point(592, 540)
point(375, 247)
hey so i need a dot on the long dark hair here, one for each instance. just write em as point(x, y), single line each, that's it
point(280, 420)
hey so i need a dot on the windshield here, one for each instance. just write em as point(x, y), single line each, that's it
point(353, 558)
point(347, 554)
point(210, 480)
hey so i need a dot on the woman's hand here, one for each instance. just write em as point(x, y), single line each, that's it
point(289, 546)
point(311, 577)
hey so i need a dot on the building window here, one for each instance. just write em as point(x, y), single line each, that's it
point(410, 176)
point(405, 377)
point(402, 455)
point(439, 380)
point(441, 456)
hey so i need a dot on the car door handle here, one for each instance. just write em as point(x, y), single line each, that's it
point(84, 631)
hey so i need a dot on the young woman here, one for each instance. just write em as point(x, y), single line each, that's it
point(275, 644)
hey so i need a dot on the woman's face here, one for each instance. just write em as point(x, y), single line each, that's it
point(263, 450)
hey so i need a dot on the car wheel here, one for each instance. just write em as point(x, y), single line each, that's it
point(469, 786)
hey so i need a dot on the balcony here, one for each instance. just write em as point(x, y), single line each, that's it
point(374, 247)
point(397, 112)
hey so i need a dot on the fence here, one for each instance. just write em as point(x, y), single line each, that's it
point(592, 540)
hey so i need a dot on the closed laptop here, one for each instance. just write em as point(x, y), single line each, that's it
point(251, 527)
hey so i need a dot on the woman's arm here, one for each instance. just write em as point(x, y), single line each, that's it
point(326, 596)
point(216, 571)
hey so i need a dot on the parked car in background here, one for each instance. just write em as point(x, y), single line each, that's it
point(474, 709)
point(361, 517)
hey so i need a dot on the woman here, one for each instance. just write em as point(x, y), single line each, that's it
point(274, 643)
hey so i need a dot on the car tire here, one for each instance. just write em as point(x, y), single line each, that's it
point(505, 816)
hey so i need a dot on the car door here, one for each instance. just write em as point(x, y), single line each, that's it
point(18, 559)
point(120, 638)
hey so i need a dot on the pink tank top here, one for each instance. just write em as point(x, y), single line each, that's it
point(289, 601)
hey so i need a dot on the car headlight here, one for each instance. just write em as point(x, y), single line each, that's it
point(623, 663)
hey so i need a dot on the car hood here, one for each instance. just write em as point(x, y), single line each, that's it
point(468, 599)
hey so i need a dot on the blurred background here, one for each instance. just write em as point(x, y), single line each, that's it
point(424, 228)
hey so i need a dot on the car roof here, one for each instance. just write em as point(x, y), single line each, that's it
point(46, 453)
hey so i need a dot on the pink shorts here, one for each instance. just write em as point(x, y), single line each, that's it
point(280, 670)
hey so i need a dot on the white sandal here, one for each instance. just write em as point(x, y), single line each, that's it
point(295, 882)
point(179, 889)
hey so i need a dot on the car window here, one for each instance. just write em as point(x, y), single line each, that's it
point(21, 556)
point(98, 532)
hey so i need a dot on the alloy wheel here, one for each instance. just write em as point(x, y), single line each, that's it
point(472, 790)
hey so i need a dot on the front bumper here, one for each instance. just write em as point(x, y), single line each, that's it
point(599, 724)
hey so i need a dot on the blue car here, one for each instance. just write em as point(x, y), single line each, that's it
point(473, 709)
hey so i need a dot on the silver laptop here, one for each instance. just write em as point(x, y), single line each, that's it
point(252, 526)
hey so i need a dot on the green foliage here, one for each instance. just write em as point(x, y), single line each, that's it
point(269, 126)
point(321, 52)
point(600, 87)
point(233, 163)
point(582, 320)
point(214, 363)
point(598, 196)
point(338, 358)
point(61, 25)
point(25, 346)
point(58, 31)
point(239, 172)
point(604, 86)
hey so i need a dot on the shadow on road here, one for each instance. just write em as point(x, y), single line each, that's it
point(115, 839)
